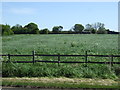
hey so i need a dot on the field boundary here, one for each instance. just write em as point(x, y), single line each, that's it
point(60, 83)
point(111, 62)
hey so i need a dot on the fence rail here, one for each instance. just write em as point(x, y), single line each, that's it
point(65, 55)
point(62, 62)
point(111, 62)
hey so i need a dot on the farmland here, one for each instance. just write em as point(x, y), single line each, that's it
point(73, 44)
point(64, 44)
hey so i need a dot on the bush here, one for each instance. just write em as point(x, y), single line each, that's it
point(44, 31)
point(6, 30)
point(101, 31)
point(117, 70)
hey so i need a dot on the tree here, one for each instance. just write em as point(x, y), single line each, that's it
point(101, 31)
point(6, 30)
point(88, 26)
point(78, 28)
point(93, 31)
point(100, 28)
point(44, 31)
point(96, 28)
point(31, 28)
point(18, 29)
point(98, 25)
point(57, 29)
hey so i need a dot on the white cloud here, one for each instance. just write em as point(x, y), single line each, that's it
point(23, 10)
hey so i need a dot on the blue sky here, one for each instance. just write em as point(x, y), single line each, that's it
point(67, 14)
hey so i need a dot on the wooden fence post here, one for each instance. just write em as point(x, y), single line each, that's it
point(33, 53)
point(8, 57)
point(86, 57)
point(58, 59)
point(111, 61)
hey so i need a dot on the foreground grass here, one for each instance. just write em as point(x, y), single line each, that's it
point(62, 82)
point(67, 70)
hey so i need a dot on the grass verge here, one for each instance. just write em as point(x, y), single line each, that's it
point(62, 82)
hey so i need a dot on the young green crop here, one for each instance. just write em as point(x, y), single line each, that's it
point(63, 44)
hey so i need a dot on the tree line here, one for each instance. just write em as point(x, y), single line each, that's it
point(32, 28)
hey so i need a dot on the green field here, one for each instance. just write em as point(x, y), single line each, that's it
point(63, 44)
point(75, 44)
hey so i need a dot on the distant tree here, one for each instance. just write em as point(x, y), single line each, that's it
point(70, 31)
point(6, 30)
point(57, 29)
point(44, 31)
point(88, 26)
point(101, 31)
point(18, 29)
point(31, 28)
point(93, 31)
point(78, 28)
point(98, 25)
point(107, 30)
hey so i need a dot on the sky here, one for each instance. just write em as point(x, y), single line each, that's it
point(66, 14)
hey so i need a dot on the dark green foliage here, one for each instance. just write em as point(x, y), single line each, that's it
point(96, 28)
point(18, 29)
point(57, 29)
point(117, 70)
point(32, 28)
point(44, 31)
point(78, 28)
point(67, 71)
point(93, 31)
point(6, 30)
point(101, 31)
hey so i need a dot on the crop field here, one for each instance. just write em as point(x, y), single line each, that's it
point(73, 44)
point(63, 44)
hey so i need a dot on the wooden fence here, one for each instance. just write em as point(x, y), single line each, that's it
point(111, 62)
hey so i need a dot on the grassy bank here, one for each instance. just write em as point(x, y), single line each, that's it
point(62, 82)
point(53, 70)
